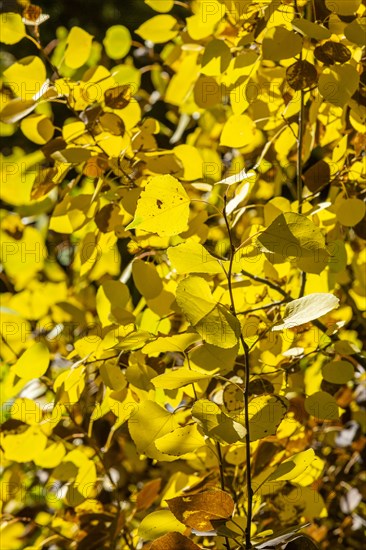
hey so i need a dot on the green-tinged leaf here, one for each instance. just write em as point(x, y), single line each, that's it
point(159, 523)
point(338, 372)
point(178, 378)
point(117, 41)
point(213, 359)
point(192, 257)
point(293, 467)
point(149, 423)
point(307, 308)
point(198, 511)
point(72, 155)
point(219, 328)
point(322, 405)
point(163, 207)
point(12, 28)
point(33, 363)
point(265, 414)
point(216, 424)
point(181, 441)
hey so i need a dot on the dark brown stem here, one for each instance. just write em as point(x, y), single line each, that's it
point(248, 543)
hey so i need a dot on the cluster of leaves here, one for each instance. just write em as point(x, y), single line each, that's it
point(183, 249)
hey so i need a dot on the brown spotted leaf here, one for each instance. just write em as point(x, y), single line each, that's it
point(118, 97)
point(198, 511)
point(332, 52)
point(173, 540)
point(301, 75)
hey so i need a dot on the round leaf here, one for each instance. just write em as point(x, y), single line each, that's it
point(322, 405)
point(117, 41)
point(280, 43)
point(350, 211)
point(338, 372)
point(301, 75)
point(12, 28)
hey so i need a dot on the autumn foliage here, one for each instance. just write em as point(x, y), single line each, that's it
point(183, 249)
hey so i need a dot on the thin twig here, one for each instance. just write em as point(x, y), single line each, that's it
point(248, 543)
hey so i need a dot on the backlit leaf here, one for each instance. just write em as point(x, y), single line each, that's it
point(78, 47)
point(149, 423)
point(163, 207)
point(265, 414)
point(159, 523)
point(158, 29)
point(117, 41)
point(199, 510)
point(293, 467)
point(307, 309)
point(216, 424)
point(181, 441)
point(26, 77)
point(33, 363)
point(12, 28)
point(192, 257)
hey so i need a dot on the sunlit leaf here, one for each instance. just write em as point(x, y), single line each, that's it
point(33, 363)
point(163, 207)
point(307, 309)
point(216, 424)
point(78, 47)
point(12, 28)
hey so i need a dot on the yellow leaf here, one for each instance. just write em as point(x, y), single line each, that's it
point(338, 84)
point(238, 131)
point(26, 77)
point(12, 28)
point(150, 422)
point(163, 6)
point(350, 211)
point(25, 446)
point(37, 128)
point(51, 456)
point(78, 47)
point(192, 257)
point(265, 414)
point(208, 15)
point(158, 29)
point(159, 523)
point(216, 58)
point(33, 363)
point(163, 207)
point(293, 466)
point(183, 440)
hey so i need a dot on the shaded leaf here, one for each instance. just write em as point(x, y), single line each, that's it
point(201, 509)
point(173, 540)
point(301, 75)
